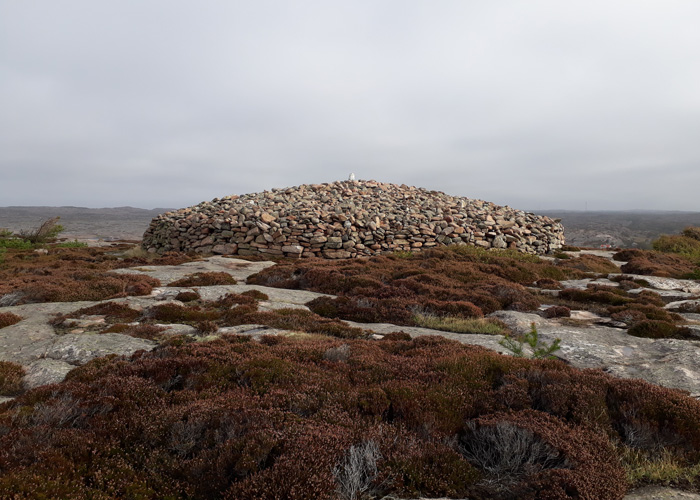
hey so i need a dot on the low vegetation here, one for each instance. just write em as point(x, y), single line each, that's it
point(63, 274)
point(323, 418)
point(459, 282)
point(8, 318)
point(484, 326)
point(330, 414)
point(10, 378)
point(674, 256)
point(205, 279)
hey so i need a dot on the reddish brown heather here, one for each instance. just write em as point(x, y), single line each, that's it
point(652, 263)
point(205, 279)
point(10, 378)
point(591, 264)
point(7, 319)
point(113, 312)
point(73, 274)
point(234, 418)
point(456, 281)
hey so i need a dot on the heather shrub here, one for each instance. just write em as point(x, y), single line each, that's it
point(513, 447)
point(7, 319)
point(387, 288)
point(206, 327)
point(256, 294)
point(628, 316)
point(548, 284)
point(204, 279)
point(10, 378)
point(557, 312)
point(660, 264)
point(591, 264)
point(679, 244)
point(71, 286)
point(394, 336)
point(175, 313)
point(608, 296)
point(657, 329)
point(187, 296)
point(692, 232)
point(301, 418)
point(113, 312)
point(429, 470)
point(641, 312)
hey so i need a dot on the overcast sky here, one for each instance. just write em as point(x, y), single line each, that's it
point(535, 104)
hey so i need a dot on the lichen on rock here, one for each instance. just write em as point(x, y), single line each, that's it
point(348, 219)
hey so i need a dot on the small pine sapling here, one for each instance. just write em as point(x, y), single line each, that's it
point(539, 349)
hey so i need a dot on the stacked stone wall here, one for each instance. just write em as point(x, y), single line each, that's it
point(348, 219)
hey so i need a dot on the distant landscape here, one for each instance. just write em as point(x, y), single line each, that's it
point(120, 223)
point(586, 229)
point(633, 229)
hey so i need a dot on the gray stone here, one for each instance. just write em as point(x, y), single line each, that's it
point(238, 268)
point(78, 349)
point(45, 371)
point(660, 493)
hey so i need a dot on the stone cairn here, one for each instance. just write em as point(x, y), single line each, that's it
point(347, 219)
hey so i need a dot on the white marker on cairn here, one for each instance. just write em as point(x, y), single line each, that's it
point(351, 177)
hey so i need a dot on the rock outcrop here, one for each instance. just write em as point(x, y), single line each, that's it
point(347, 219)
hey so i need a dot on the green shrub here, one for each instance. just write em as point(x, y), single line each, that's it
point(71, 244)
point(16, 243)
point(47, 231)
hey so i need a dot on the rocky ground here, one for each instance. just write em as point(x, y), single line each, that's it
point(587, 340)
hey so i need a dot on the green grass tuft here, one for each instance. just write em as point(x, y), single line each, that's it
point(484, 326)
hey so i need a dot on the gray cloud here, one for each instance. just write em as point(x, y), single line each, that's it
point(536, 104)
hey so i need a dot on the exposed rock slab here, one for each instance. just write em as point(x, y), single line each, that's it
point(660, 493)
point(238, 268)
point(78, 349)
point(45, 371)
point(667, 362)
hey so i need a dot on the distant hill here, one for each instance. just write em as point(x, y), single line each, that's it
point(637, 228)
point(85, 223)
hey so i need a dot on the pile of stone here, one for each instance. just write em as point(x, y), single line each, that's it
point(348, 219)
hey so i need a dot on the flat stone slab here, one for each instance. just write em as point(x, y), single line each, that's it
point(667, 362)
point(659, 283)
point(45, 371)
point(660, 493)
point(238, 268)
